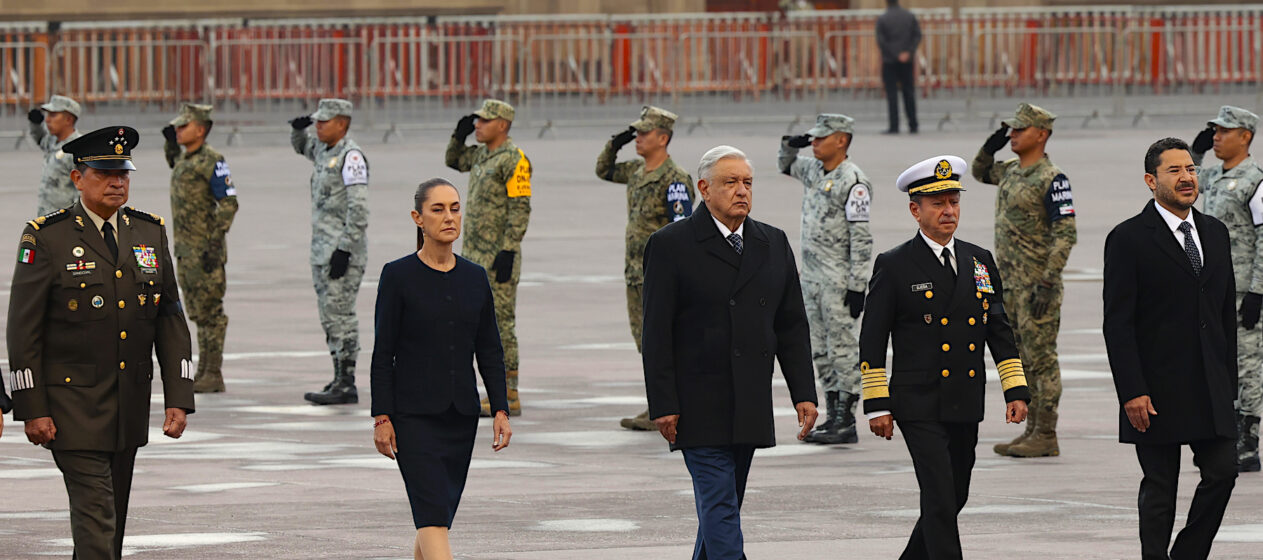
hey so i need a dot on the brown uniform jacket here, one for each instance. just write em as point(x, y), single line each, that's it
point(82, 329)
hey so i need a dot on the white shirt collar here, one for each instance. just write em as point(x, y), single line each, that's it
point(99, 221)
point(725, 232)
point(938, 249)
point(1173, 221)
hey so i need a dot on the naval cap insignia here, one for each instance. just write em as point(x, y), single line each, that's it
point(943, 170)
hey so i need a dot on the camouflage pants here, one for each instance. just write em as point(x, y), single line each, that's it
point(635, 310)
point(505, 296)
point(1249, 368)
point(202, 283)
point(834, 337)
point(1037, 343)
point(336, 302)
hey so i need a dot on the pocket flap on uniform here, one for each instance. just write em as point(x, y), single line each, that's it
point(73, 375)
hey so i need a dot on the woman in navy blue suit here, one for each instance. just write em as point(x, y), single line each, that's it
point(434, 318)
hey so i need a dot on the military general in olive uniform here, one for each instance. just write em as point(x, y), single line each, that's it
point(203, 204)
point(837, 248)
point(52, 126)
point(1034, 231)
point(339, 242)
point(497, 212)
point(658, 192)
point(94, 297)
point(1233, 194)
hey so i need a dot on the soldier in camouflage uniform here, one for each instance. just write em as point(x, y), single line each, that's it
point(50, 133)
point(203, 204)
point(339, 245)
point(1232, 193)
point(836, 248)
point(497, 212)
point(1034, 231)
point(658, 192)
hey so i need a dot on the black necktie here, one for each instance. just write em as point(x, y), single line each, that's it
point(947, 260)
point(1190, 248)
point(107, 231)
point(735, 240)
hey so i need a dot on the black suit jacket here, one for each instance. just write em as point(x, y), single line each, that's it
point(938, 372)
point(713, 321)
point(1172, 334)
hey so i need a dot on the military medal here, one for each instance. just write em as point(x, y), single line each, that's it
point(146, 258)
point(982, 278)
point(98, 302)
point(141, 298)
point(80, 265)
point(986, 305)
point(77, 251)
point(73, 305)
point(156, 297)
point(928, 318)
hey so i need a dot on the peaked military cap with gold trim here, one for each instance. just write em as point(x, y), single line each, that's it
point(106, 148)
point(935, 175)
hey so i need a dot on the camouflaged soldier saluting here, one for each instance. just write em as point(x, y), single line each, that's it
point(203, 204)
point(339, 246)
point(496, 215)
point(837, 248)
point(1034, 231)
point(658, 192)
point(51, 133)
point(1233, 194)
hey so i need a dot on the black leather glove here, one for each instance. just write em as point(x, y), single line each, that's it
point(168, 132)
point(1041, 300)
point(338, 263)
point(855, 300)
point(1250, 307)
point(36, 116)
point(464, 127)
point(621, 139)
point(997, 140)
point(300, 123)
point(503, 265)
point(1204, 142)
point(800, 141)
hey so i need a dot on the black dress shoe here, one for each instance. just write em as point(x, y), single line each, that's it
point(890, 131)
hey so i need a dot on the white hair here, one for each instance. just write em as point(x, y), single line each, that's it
point(714, 155)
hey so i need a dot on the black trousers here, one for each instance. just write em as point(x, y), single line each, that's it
point(943, 455)
point(899, 77)
point(98, 484)
point(1217, 461)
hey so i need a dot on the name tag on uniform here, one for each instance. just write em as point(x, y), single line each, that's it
point(922, 287)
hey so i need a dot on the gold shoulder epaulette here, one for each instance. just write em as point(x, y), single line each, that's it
point(50, 218)
point(144, 216)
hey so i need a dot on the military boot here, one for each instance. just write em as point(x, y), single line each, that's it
point(1248, 444)
point(515, 404)
point(844, 429)
point(833, 408)
point(1003, 448)
point(1042, 441)
point(342, 390)
point(210, 363)
point(640, 422)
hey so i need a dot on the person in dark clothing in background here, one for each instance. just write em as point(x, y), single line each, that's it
point(898, 35)
point(434, 316)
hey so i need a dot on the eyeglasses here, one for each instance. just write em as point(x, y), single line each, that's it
point(1180, 171)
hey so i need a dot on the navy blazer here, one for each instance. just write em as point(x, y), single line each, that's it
point(430, 325)
point(713, 322)
point(1172, 334)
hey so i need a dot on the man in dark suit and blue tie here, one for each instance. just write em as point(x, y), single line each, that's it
point(721, 301)
point(1171, 334)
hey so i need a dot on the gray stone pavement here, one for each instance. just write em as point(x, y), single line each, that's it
point(260, 474)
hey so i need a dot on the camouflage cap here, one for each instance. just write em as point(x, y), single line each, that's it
point(1028, 115)
point(653, 118)
point(330, 108)
point(192, 112)
point(495, 109)
point(62, 104)
point(1235, 117)
point(829, 123)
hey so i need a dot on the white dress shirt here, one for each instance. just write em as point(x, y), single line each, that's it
point(99, 221)
point(725, 232)
point(1173, 222)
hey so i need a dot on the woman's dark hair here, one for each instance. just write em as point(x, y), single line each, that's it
point(1154, 155)
point(423, 194)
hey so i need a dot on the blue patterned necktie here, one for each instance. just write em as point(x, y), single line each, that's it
point(1190, 248)
point(735, 240)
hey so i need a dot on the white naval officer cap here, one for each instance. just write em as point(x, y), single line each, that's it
point(932, 176)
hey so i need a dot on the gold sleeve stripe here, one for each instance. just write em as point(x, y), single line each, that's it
point(1011, 374)
point(875, 385)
